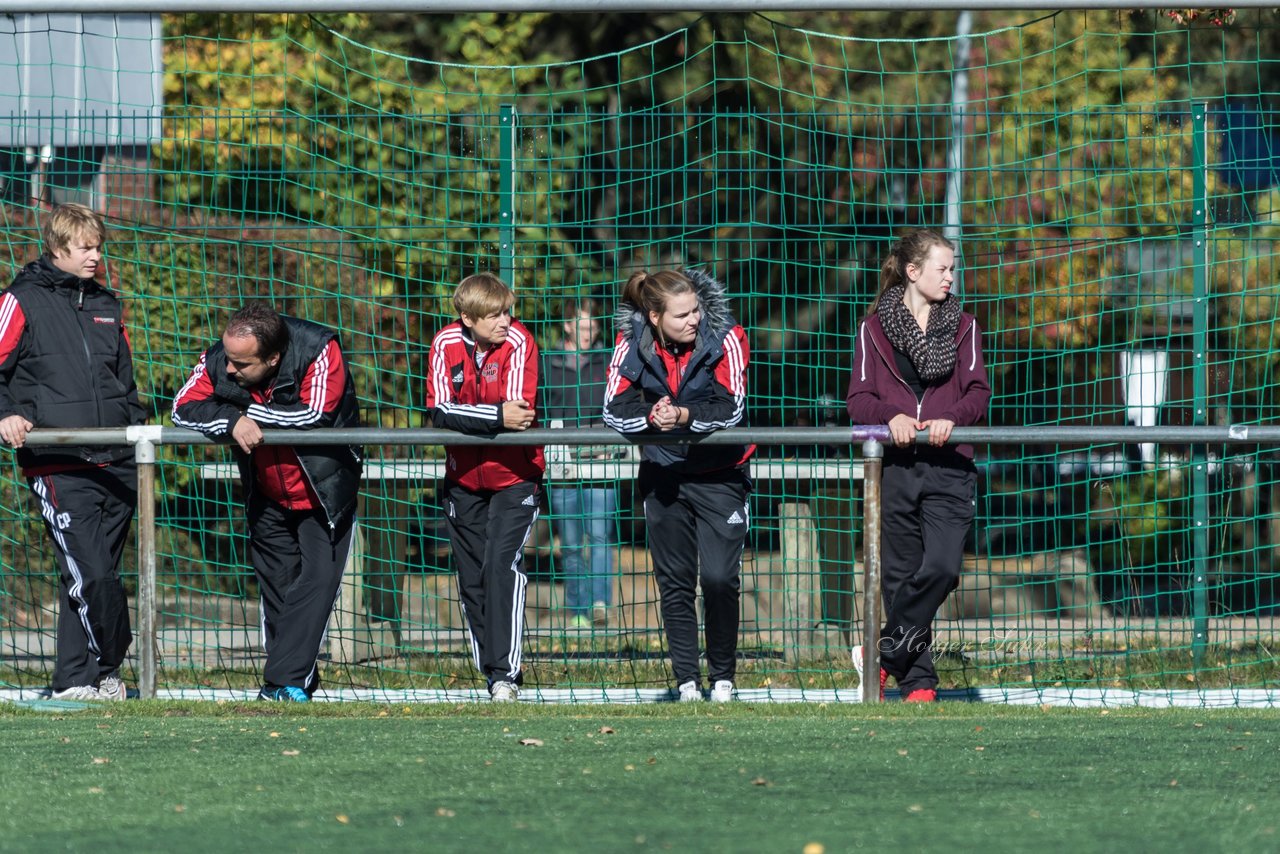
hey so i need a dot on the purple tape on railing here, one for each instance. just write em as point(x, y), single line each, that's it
point(863, 432)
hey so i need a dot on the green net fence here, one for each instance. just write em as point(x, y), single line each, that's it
point(355, 186)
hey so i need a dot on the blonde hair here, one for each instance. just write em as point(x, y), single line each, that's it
point(481, 295)
point(68, 222)
point(911, 248)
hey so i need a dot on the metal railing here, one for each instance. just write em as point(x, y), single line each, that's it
point(868, 439)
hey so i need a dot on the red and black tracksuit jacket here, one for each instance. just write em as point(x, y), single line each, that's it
point(466, 394)
point(312, 388)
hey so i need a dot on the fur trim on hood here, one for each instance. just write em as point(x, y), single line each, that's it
point(717, 320)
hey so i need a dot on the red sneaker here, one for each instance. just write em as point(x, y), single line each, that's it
point(922, 695)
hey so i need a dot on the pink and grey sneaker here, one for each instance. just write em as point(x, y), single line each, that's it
point(858, 666)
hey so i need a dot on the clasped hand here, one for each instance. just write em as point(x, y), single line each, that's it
point(664, 415)
point(903, 429)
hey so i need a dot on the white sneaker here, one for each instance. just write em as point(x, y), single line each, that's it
point(112, 688)
point(690, 692)
point(504, 692)
point(722, 691)
point(78, 692)
point(857, 661)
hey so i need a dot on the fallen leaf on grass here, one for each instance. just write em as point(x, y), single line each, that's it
point(95, 790)
point(760, 781)
point(530, 742)
point(289, 753)
point(902, 753)
point(607, 730)
point(814, 848)
point(342, 819)
point(445, 812)
point(100, 760)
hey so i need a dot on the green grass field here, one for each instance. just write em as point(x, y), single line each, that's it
point(156, 776)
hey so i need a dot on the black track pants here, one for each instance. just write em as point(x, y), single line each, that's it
point(696, 529)
point(299, 562)
point(925, 517)
point(87, 514)
point(488, 530)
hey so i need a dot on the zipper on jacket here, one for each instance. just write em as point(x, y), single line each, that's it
point(893, 369)
point(302, 467)
point(88, 354)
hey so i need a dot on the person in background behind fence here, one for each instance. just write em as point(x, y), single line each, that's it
point(680, 365)
point(482, 379)
point(65, 362)
point(917, 365)
point(276, 372)
point(573, 383)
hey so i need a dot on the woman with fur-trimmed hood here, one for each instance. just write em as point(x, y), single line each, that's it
point(680, 366)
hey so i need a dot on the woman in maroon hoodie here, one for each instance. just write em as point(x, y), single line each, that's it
point(917, 365)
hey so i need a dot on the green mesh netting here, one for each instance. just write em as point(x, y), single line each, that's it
point(355, 187)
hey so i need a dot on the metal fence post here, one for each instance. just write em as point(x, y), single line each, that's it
point(507, 191)
point(872, 467)
point(144, 453)
point(1199, 390)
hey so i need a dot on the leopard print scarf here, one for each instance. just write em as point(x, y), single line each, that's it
point(932, 352)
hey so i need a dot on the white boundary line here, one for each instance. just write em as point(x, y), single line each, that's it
point(1080, 698)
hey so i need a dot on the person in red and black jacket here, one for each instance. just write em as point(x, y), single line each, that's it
point(680, 365)
point(65, 363)
point(917, 365)
point(283, 373)
point(482, 379)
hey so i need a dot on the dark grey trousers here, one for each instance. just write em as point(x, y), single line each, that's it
point(927, 511)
